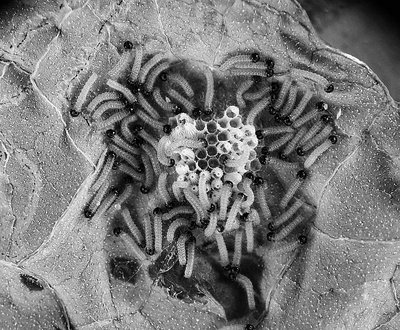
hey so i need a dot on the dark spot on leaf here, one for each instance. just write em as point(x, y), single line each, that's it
point(32, 283)
point(124, 269)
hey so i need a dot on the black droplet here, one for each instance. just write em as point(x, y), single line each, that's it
point(164, 76)
point(249, 327)
point(220, 228)
point(211, 208)
point(167, 129)
point(302, 239)
point(300, 151)
point(249, 175)
point(269, 72)
point(177, 110)
point(144, 190)
point(208, 111)
point(32, 283)
point(74, 113)
point(302, 174)
point(110, 133)
point(88, 214)
point(255, 57)
point(262, 159)
point(259, 134)
point(329, 88)
point(271, 226)
point(270, 236)
point(333, 139)
point(157, 211)
point(326, 119)
point(287, 121)
point(274, 87)
point(171, 162)
point(321, 106)
point(256, 79)
point(196, 113)
point(117, 231)
point(269, 63)
point(128, 45)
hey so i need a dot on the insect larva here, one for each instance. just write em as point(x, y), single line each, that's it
point(288, 213)
point(85, 91)
point(182, 83)
point(162, 187)
point(232, 61)
point(126, 215)
point(120, 66)
point(293, 142)
point(285, 231)
point(302, 74)
point(148, 232)
point(255, 111)
point(180, 210)
point(321, 136)
point(226, 192)
point(283, 93)
point(106, 96)
point(248, 286)
point(311, 132)
point(277, 130)
point(190, 259)
point(254, 217)
point(144, 71)
point(258, 94)
point(277, 163)
point(237, 254)
point(151, 78)
point(180, 99)
point(157, 233)
point(166, 106)
point(181, 247)
point(212, 225)
point(223, 252)
point(243, 87)
point(125, 131)
point(132, 172)
point(305, 118)
point(290, 101)
point(298, 110)
point(280, 142)
point(123, 90)
point(127, 157)
point(295, 185)
point(148, 171)
point(136, 63)
point(249, 194)
point(98, 197)
point(162, 143)
point(318, 151)
point(248, 227)
point(105, 172)
point(248, 72)
point(174, 226)
point(231, 221)
point(147, 107)
point(210, 88)
point(151, 153)
point(109, 105)
point(250, 65)
point(132, 247)
point(260, 195)
point(195, 202)
point(110, 121)
point(105, 205)
point(126, 193)
point(149, 120)
point(118, 141)
point(148, 138)
point(177, 187)
point(205, 202)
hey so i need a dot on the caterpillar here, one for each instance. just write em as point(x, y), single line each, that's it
point(148, 171)
point(123, 90)
point(301, 74)
point(132, 172)
point(182, 83)
point(181, 247)
point(179, 210)
point(125, 131)
point(258, 94)
point(318, 151)
point(122, 144)
point(277, 130)
point(158, 126)
point(190, 259)
point(248, 286)
point(126, 216)
point(151, 154)
point(285, 231)
point(280, 142)
point(237, 254)
point(231, 221)
point(210, 88)
point(283, 93)
point(248, 226)
point(260, 195)
point(290, 101)
point(298, 110)
point(255, 111)
point(188, 105)
point(177, 187)
point(244, 87)
point(162, 187)
point(85, 91)
point(174, 226)
point(127, 157)
point(248, 192)
point(144, 71)
point(157, 233)
point(132, 247)
point(318, 138)
point(109, 105)
point(105, 171)
point(110, 121)
point(136, 63)
point(288, 213)
point(121, 65)
point(151, 78)
point(205, 202)
point(212, 225)
point(294, 141)
point(106, 96)
point(195, 202)
point(147, 107)
point(162, 103)
point(223, 252)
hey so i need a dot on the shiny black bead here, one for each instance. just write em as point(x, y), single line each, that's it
point(88, 214)
point(211, 208)
point(74, 113)
point(171, 162)
point(128, 45)
point(208, 111)
point(300, 151)
point(271, 226)
point(333, 139)
point(287, 121)
point(270, 236)
point(167, 129)
point(258, 181)
point(302, 174)
point(249, 175)
point(164, 76)
point(262, 159)
point(329, 88)
point(269, 63)
point(259, 134)
point(244, 216)
point(269, 72)
point(110, 133)
point(255, 57)
point(117, 231)
point(220, 228)
point(321, 106)
point(116, 164)
point(302, 239)
point(157, 211)
point(249, 327)
point(144, 190)
point(326, 119)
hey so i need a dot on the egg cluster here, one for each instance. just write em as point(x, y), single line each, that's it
point(221, 149)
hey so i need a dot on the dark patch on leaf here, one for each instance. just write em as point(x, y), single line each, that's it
point(124, 269)
point(32, 283)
